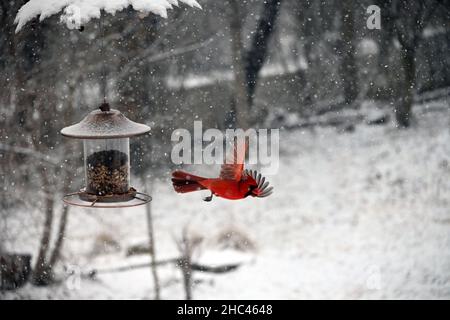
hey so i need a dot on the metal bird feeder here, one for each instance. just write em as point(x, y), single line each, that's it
point(106, 137)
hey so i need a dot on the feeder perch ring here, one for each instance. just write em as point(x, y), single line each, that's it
point(87, 200)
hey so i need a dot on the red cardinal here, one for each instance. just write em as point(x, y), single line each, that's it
point(234, 182)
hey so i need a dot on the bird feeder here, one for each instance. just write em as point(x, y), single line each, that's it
point(106, 137)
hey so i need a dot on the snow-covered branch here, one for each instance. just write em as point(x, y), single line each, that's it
point(79, 12)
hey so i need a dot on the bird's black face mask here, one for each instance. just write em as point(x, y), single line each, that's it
point(250, 191)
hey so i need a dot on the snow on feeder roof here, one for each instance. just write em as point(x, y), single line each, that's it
point(79, 12)
point(105, 123)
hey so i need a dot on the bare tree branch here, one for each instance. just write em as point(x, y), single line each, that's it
point(132, 65)
point(176, 261)
point(29, 152)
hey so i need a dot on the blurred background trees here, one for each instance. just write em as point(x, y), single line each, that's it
point(234, 63)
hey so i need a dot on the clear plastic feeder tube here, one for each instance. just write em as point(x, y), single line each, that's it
point(107, 166)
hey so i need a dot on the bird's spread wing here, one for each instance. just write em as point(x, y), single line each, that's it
point(262, 190)
point(234, 162)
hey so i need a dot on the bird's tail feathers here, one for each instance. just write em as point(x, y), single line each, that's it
point(184, 182)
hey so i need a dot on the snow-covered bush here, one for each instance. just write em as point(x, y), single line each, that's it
point(79, 12)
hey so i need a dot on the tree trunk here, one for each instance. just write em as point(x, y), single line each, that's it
point(186, 269)
point(42, 274)
point(66, 173)
point(10, 56)
point(239, 102)
point(60, 236)
point(256, 55)
point(151, 240)
point(186, 247)
point(247, 65)
point(385, 76)
point(403, 111)
point(27, 45)
point(348, 65)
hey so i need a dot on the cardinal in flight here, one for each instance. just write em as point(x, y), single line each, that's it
point(233, 183)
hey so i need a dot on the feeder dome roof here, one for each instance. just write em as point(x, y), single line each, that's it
point(108, 124)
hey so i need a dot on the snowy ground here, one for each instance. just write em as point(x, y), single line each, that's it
point(355, 215)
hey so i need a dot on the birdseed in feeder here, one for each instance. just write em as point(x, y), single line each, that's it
point(107, 173)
